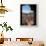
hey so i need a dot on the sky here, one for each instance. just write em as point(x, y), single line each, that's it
point(26, 9)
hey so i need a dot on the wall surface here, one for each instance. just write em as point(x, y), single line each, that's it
point(13, 18)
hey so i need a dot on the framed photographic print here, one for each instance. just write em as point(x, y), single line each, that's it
point(28, 14)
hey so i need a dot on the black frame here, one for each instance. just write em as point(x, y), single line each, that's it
point(34, 8)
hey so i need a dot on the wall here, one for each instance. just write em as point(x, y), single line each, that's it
point(13, 18)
